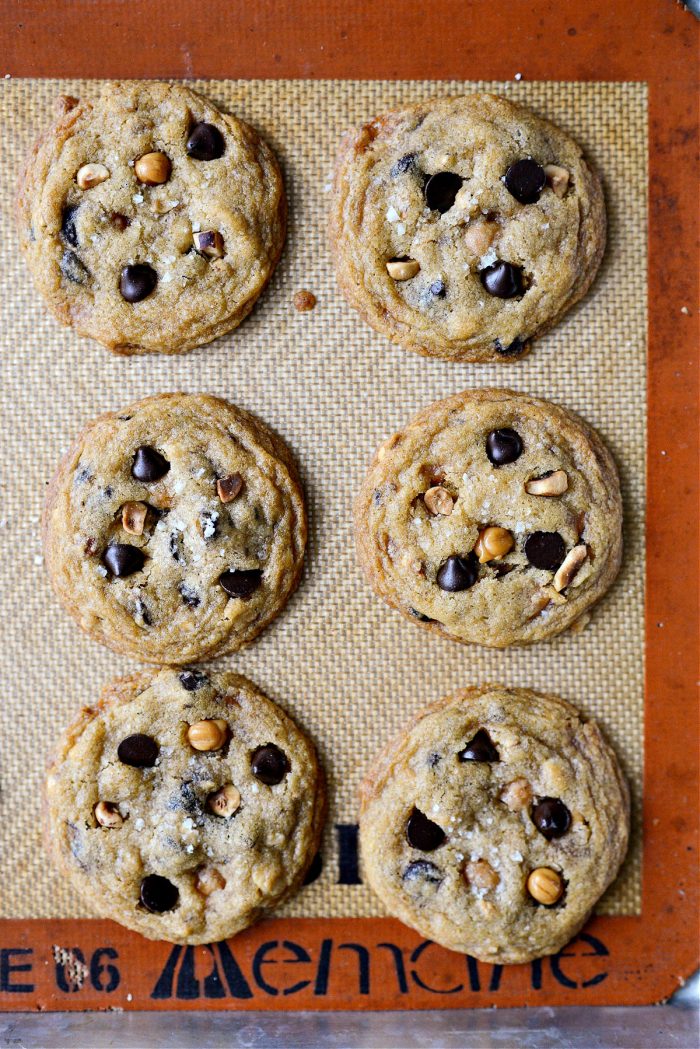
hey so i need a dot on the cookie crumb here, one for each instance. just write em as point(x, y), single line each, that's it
point(304, 300)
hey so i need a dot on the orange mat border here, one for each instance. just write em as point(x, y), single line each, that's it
point(378, 963)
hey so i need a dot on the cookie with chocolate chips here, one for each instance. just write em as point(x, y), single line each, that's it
point(150, 220)
point(466, 227)
point(495, 822)
point(174, 530)
point(493, 517)
point(185, 813)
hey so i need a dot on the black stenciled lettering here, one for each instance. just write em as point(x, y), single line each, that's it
point(164, 983)
point(211, 984)
point(363, 964)
point(7, 967)
point(536, 978)
point(399, 965)
point(98, 970)
point(299, 955)
point(324, 968)
point(187, 987)
point(348, 867)
point(237, 983)
point(599, 950)
point(415, 955)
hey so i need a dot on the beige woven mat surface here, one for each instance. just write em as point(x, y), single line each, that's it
point(349, 669)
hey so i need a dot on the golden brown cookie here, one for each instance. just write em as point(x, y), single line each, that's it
point(150, 220)
point(174, 530)
point(465, 227)
point(495, 823)
point(184, 805)
point(493, 517)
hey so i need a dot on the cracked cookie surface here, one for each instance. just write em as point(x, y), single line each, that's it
point(150, 220)
point(495, 822)
point(493, 517)
point(174, 530)
point(176, 841)
point(465, 227)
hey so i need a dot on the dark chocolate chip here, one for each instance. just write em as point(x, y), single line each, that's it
point(149, 465)
point(458, 573)
point(73, 269)
point(525, 180)
point(123, 560)
point(314, 870)
point(434, 759)
point(500, 569)
point(205, 142)
point(174, 545)
point(438, 289)
point(139, 751)
point(503, 447)
point(422, 833)
point(479, 748)
point(545, 550)
point(68, 228)
point(158, 894)
point(551, 817)
point(441, 190)
point(423, 870)
point(503, 279)
point(514, 349)
point(269, 764)
point(137, 282)
point(241, 582)
point(193, 680)
point(189, 595)
point(420, 616)
point(403, 164)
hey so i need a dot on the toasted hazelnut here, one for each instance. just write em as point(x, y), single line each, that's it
point(134, 517)
point(481, 875)
point(554, 483)
point(153, 169)
point(439, 501)
point(545, 885)
point(558, 178)
point(225, 801)
point(209, 880)
point(90, 175)
point(304, 300)
point(492, 544)
point(207, 735)
point(402, 269)
point(569, 567)
point(108, 815)
point(229, 487)
point(209, 242)
point(517, 795)
point(479, 236)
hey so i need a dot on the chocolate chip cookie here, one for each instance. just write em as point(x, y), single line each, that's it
point(463, 228)
point(150, 220)
point(184, 805)
point(174, 530)
point(493, 517)
point(495, 823)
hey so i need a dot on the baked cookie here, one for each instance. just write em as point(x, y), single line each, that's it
point(495, 823)
point(465, 227)
point(184, 805)
point(150, 220)
point(493, 517)
point(174, 530)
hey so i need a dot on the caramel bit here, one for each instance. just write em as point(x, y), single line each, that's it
point(439, 501)
point(304, 300)
point(209, 880)
point(229, 487)
point(481, 875)
point(207, 735)
point(479, 236)
point(492, 544)
point(517, 795)
point(134, 517)
point(225, 801)
point(545, 885)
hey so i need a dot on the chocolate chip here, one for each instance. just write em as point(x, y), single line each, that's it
point(158, 894)
point(189, 595)
point(423, 870)
point(241, 582)
point(441, 190)
point(205, 142)
point(420, 616)
point(503, 279)
point(68, 228)
point(501, 569)
point(525, 180)
point(314, 870)
point(149, 465)
point(545, 550)
point(269, 764)
point(193, 680)
point(141, 610)
point(175, 547)
point(479, 748)
point(403, 164)
point(73, 269)
point(458, 573)
point(514, 349)
point(137, 282)
point(422, 833)
point(122, 559)
point(503, 447)
point(139, 751)
point(438, 289)
point(551, 817)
